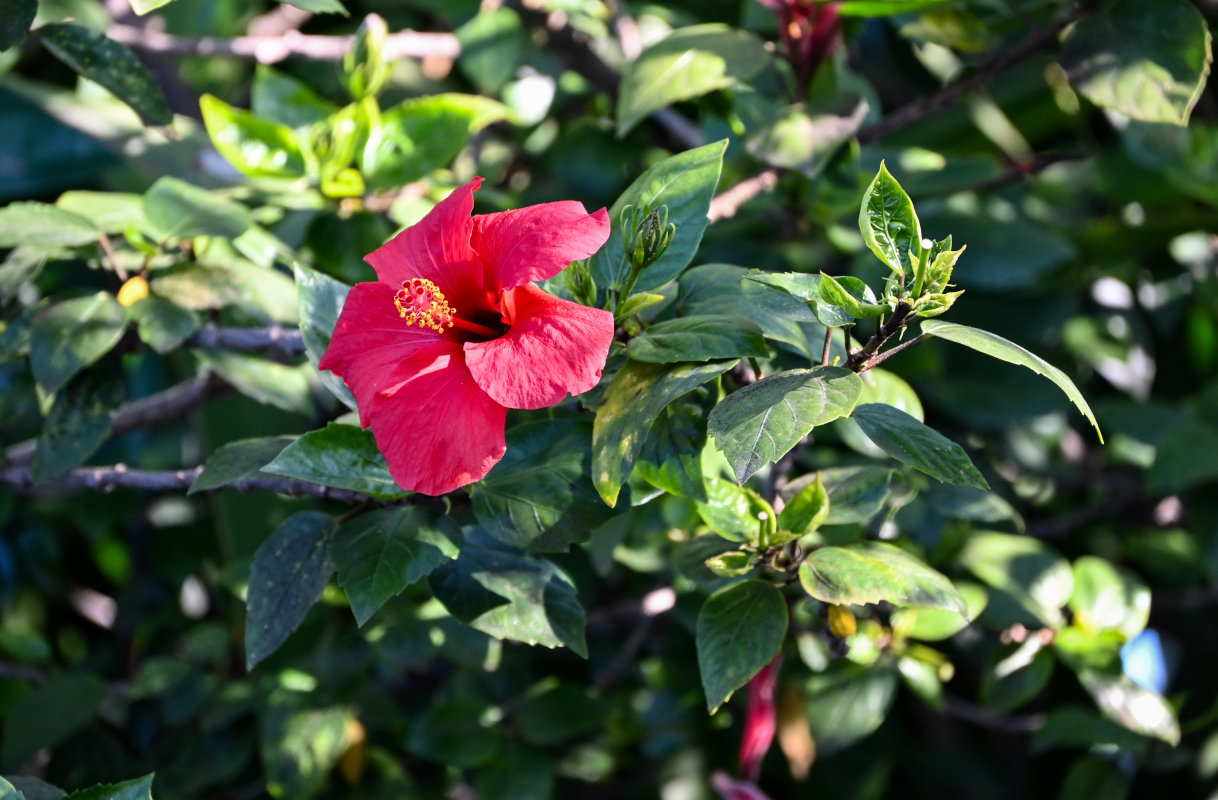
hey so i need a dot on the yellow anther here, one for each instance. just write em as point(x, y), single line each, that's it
point(420, 302)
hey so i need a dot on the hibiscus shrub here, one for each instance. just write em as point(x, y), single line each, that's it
point(542, 400)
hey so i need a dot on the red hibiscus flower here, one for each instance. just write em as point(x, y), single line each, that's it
point(454, 333)
point(761, 721)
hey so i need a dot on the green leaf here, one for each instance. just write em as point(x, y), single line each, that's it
point(511, 596)
point(857, 493)
point(380, 553)
point(80, 420)
point(633, 401)
point(69, 336)
point(1147, 59)
point(740, 629)
point(319, 6)
point(760, 423)
point(238, 461)
point(699, 338)
point(16, 17)
point(342, 456)
point(685, 183)
point(423, 134)
point(521, 775)
point(7, 790)
point(257, 147)
point(290, 570)
point(492, 46)
point(671, 459)
point(995, 346)
point(280, 98)
point(935, 624)
point(180, 210)
point(791, 295)
point(47, 715)
point(134, 789)
point(1027, 573)
point(875, 572)
point(886, 8)
point(734, 512)
point(35, 788)
point(919, 446)
point(539, 496)
point(889, 224)
point(851, 295)
point(807, 510)
point(162, 324)
point(105, 61)
point(846, 703)
point(1016, 675)
point(300, 746)
point(455, 733)
point(46, 225)
point(1138, 709)
point(1095, 776)
point(142, 7)
point(687, 63)
point(796, 139)
point(265, 381)
point(321, 301)
point(1106, 597)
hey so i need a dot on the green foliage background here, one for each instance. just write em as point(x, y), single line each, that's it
point(207, 574)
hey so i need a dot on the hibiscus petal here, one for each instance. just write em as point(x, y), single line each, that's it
point(553, 347)
point(537, 242)
point(437, 429)
point(437, 248)
point(370, 341)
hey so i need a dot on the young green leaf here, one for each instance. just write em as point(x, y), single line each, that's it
point(875, 572)
point(851, 295)
point(740, 629)
point(257, 147)
point(807, 510)
point(991, 344)
point(919, 446)
point(734, 512)
point(889, 224)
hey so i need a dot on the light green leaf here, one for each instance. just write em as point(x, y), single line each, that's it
point(257, 147)
point(734, 512)
point(760, 423)
point(698, 338)
point(290, 570)
point(633, 401)
point(889, 224)
point(280, 98)
point(886, 8)
point(687, 63)
point(69, 336)
point(265, 381)
point(319, 6)
point(342, 456)
point(1025, 573)
point(1138, 709)
point(180, 210)
point(995, 346)
point(142, 7)
point(134, 789)
point(875, 572)
point(380, 553)
point(238, 461)
point(740, 629)
point(919, 446)
point(300, 746)
point(162, 324)
point(685, 183)
point(105, 61)
point(1147, 59)
point(46, 225)
point(321, 301)
point(851, 295)
point(1106, 597)
point(807, 510)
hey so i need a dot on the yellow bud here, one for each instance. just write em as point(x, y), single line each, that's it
point(134, 290)
point(354, 759)
point(841, 622)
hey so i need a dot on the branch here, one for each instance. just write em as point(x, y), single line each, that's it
point(729, 202)
point(962, 709)
point(287, 340)
point(109, 478)
point(270, 49)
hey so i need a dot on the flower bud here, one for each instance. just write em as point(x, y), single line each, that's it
point(364, 67)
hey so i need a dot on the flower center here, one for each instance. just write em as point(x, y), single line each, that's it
point(420, 302)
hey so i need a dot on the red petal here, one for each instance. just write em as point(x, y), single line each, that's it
point(537, 242)
point(437, 429)
point(370, 341)
point(553, 347)
point(437, 248)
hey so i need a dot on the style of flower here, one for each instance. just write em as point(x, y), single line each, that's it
point(454, 333)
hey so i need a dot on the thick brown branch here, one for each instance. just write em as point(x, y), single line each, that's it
point(286, 340)
point(270, 49)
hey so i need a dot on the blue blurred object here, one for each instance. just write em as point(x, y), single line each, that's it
point(1143, 660)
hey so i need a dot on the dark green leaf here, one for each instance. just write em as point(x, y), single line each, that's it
point(687, 63)
point(46, 225)
point(1092, 777)
point(265, 381)
point(889, 224)
point(16, 17)
point(238, 461)
point(847, 702)
point(47, 715)
point(522, 775)
point(685, 183)
point(1016, 675)
point(995, 346)
point(162, 324)
point(1106, 597)
point(35, 788)
point(321, 301)
point(255, 146)
point(1030, 575)
point(760, 423)
point(1084, 728)
point(300, 747)
point(671, 459)
point(511, 596)
point(492, 45)
point(289, 572)
point(740, 630)
point(783, 295)
point(633, 401)
point(134, 789)
point(1147, 59)
point(454, 733)
point(699, 338)
point(915, 444)
point(539, 496)
point(380, 553)
point(856, 493)
point(80, 420)
point(180, 210)
point(342, 456)
point(109, 63)
point(69, 336)
point(875, 572)
point(545, 718)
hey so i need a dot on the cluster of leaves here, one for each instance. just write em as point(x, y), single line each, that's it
point(781, 463)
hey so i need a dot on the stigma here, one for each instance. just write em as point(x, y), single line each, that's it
point(420, 302)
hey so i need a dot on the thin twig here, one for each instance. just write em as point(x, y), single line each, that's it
point(275, 337)
point(1008, 723)
point(270, 49)
point(900, 316)
point(824, 356)
point(880, 358)
point(729, 202)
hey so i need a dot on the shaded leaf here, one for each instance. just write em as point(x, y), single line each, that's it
point(238, 461)
point(699, 338)
point(846, 703)
point(47, 225)
point(180, 210)
point(321, 301)
point(134, 789)
point(47, 715)
point(492, 45)
point(16, 17)
point(105, 61)
point(919, 446)
point(1033, 578)
point(875, 572)
point(283, 99)
point(740, 629)
point(69, 336)
point(80, 420)
point(300, 746)
point(342, 456)
point(162, 324)
point(262, 380)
